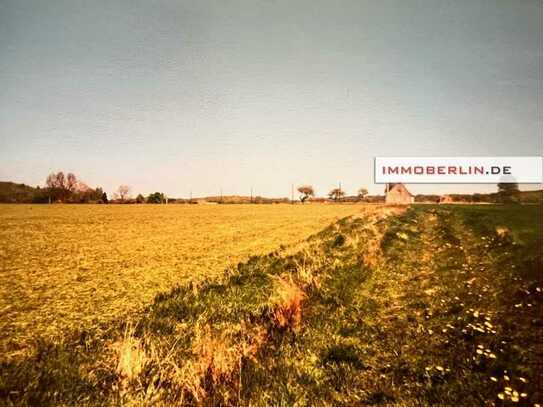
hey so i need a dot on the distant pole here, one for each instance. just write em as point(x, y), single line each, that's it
point(251, 194)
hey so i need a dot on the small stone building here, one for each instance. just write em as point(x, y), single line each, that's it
point(397, 194)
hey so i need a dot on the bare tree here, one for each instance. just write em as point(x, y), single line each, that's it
point(71, 182)
point(124, 192)
point(66, 187)
point(57, 181)
point(51, 180)
point(306, 191)
point(336, 194)
point(57, 186)
point(362, 192)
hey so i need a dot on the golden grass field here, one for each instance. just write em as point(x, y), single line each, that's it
point(76, 266)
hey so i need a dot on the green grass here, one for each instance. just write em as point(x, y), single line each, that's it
point(524, 221)
point(432, 306)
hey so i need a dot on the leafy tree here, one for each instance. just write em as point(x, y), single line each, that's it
point(508, 192)
point(96, 194)
point(306, 191)
point(336, 194)
point(362, 192)
point(155, 198)
point(40, 196)
point(104, 198)
point(140, 198)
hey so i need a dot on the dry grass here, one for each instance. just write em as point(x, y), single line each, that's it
point(287, 302)
point(70, 266)
point(502, 231)
point(131, 358)
point(372, 256)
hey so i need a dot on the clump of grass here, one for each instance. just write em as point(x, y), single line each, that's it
point(308, 268)
point(287, 304)
point(216, 358)
point(131, 357)
point(502, 232)
point(343, 354)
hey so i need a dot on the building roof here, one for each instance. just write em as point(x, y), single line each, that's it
point(400, 188)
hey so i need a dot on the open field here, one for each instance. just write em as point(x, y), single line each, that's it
point(75, 266)
point(433, 305)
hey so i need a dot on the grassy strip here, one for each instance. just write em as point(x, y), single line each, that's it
point(263, 333)
point(462, 280)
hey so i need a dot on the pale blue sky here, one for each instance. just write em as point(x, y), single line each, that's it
point(199, 95)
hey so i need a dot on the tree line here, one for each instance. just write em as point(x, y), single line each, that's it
point(506, 193)
point(67, 188)
point(307, 192)
point(63, 187)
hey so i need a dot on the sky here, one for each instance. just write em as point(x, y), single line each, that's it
point(204, 96)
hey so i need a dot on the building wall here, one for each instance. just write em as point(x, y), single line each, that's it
point(398, 197)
